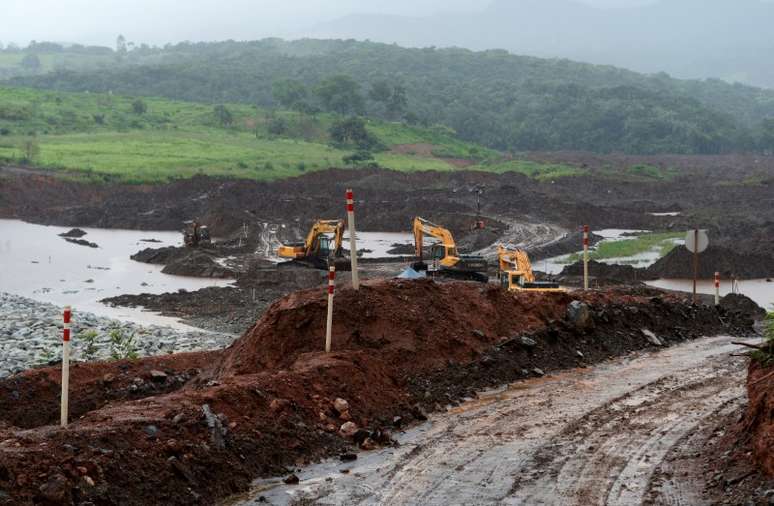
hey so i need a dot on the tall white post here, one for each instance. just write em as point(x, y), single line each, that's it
point(717, 288)
point(63, 415)
point(585, 257)
point(329, 321)
point(352, 239)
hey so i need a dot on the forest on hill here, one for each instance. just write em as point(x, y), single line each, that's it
point(494, 98)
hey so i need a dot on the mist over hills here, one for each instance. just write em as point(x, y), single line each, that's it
point(726, 39)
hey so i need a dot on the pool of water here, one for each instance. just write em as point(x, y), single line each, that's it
point(645, 259)
point(759, 290)
point(379, 243)
point(36, 263)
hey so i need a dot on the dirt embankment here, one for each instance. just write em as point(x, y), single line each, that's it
point(758, 423)
point(603, 274)
point(678, 263)
point(266, 404)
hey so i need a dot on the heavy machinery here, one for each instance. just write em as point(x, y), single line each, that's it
point(323, 243)
point(445, 260)
point(515, 273)
point(195, 235)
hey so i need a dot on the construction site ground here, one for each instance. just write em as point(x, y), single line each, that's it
point(647, 428)
point(195, 428)
point(619, 395)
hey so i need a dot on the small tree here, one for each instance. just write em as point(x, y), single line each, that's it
point(223, 115)
point(360, 159)
point(352, 132)
point(139, 106)
point(121, 44)
point(31, 150)
point(31, 62)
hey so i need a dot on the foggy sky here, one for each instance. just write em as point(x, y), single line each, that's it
point(162, 21)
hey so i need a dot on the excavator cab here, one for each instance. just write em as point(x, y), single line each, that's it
point(325, 246)
point(196, 235)
point(439, 252)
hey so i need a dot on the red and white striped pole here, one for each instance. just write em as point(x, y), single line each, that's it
point(585, 257)
point(329, 321)
point(352, 238)
point(717, 288)
point(65, 367)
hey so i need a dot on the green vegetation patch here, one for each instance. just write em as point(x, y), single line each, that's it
point(535, 170)
point(643, 243)
point(653, 172)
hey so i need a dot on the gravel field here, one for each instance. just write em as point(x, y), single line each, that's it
point(30, 335)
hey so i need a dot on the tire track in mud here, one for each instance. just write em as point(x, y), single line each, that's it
point(586, 436)
point(609, 455)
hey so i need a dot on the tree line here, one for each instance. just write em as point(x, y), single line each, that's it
point(500, 100)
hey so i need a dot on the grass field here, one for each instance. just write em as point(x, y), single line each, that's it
point(101, 136)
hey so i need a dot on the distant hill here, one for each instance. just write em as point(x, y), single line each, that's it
point(727, 39)
point(494, 98)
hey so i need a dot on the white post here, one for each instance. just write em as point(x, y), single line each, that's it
point(717, 288)
point(65, 368)
point(585, 257)
point(352, 239)
point(329, 321)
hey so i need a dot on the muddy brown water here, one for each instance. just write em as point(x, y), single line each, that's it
point(582, 437)
point(38, 264)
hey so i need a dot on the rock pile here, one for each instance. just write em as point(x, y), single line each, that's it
point(30, 335)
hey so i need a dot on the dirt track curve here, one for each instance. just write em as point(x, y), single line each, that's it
point(586, 436)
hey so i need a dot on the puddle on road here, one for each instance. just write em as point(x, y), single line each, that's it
point(38, 264)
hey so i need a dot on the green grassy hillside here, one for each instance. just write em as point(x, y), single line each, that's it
point(138, 140)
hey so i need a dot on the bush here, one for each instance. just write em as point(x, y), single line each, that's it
point(122, 346)
point(139, 106)
point(360, 159)
point(277, 126)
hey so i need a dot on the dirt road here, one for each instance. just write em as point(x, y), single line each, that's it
point(586, 436)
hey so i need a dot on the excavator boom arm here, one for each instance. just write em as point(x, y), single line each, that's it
point(423, 226)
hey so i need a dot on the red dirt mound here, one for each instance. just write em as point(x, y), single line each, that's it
point(429, 322)
point(267, 402)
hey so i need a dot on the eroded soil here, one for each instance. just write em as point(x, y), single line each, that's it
point(210, 423)
point(600, 435)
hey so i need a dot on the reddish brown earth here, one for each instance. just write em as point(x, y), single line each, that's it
point(758, 423)
point(396, 344)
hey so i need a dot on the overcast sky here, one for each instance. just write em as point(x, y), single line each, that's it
point(162, 21)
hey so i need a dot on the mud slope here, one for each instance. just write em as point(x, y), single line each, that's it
point(265, 405)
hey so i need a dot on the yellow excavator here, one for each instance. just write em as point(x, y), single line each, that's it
point(515, 273)
point(319, 247)
point(445, 259)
